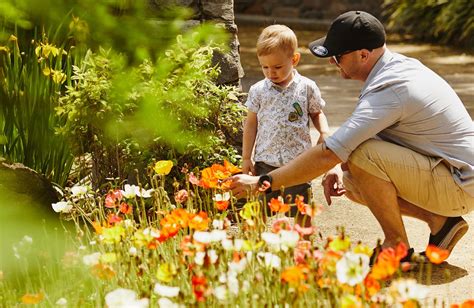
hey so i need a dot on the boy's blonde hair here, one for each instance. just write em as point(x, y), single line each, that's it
point(276, 37)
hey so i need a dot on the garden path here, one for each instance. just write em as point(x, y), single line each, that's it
point(452, 281)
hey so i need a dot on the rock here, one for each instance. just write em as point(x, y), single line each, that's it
point(16, 179)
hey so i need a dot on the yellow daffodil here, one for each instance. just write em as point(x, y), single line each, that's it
point(44, 50)
point(46, 71)
point(163, 167)
point(58, 77)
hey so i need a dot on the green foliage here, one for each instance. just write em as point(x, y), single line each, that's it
point(131, 27)
point(171, 109)
point(30, 82)
point(440, 21)
point(128, 99)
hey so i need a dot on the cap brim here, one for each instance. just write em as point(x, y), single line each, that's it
point(319, 49)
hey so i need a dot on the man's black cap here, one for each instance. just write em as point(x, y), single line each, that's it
point(350, 31)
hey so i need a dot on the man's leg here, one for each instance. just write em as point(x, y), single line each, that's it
point(393, 181)
point(435, 222)
point(381, 198)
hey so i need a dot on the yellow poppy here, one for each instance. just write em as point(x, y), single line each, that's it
point(163, 167)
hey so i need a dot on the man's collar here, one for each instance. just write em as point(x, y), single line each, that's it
point(384, 59)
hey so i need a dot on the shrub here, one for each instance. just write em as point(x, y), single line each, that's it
point(440, 21)
point(171, 109)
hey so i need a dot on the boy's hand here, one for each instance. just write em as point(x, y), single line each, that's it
point(248, 167)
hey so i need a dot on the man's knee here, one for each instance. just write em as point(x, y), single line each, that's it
point(370, 157)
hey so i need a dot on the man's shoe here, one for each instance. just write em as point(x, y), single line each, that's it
point(452, 231)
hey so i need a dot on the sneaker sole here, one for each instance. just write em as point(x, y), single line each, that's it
point(454, 235)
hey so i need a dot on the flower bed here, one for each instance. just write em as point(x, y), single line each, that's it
point(138, 247)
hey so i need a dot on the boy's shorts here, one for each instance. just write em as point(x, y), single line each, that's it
point(421, 180)
point(302, 189)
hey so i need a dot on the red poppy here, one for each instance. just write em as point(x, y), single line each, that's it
point(113, 198)
point(222, 205)
point(113, 219)
point(199, 284)
point(125, 208)
point(181, 196)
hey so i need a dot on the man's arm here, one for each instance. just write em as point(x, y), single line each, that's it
point(307, 166)
point(248, 142)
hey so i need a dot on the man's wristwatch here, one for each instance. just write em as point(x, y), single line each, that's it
point(265, 178)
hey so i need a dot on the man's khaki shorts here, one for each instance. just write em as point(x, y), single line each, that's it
point(421, 180)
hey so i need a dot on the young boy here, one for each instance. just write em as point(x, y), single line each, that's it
point(279, 109)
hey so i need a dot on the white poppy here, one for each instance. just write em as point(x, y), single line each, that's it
point(408, 289)
point(62, 207)
point(91, 259)
point(125, 298)
point(166, 291)
point(352, 268)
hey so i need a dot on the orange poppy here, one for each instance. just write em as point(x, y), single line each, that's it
point(208, 178)
point(231, 168)
point(278, 205)
point(103, 271)
point(436, 255)
point(32, 299)
point(97, 227)
point(372, 285)
point(220, 171)
point(294, 274)
point(199, 222)
point(181, 216)
point(388, 261)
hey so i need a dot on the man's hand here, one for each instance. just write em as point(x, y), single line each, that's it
point(332, 183)
point(242, 184)
point(248, 167)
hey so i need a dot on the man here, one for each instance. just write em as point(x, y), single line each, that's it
point(407, 149)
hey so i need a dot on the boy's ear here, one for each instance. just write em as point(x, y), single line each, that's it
point(296, 58)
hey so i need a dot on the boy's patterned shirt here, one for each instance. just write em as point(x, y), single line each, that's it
point(283, 130)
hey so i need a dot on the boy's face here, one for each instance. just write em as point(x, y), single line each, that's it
point(278, 66)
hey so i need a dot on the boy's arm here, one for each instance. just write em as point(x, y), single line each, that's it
point(321, 123)
point(248, 142)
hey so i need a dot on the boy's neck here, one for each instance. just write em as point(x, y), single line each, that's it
point(288, 82)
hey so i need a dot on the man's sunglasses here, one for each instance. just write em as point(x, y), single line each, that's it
point(337, 58)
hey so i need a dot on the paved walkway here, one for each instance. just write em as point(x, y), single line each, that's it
point(452, 281)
